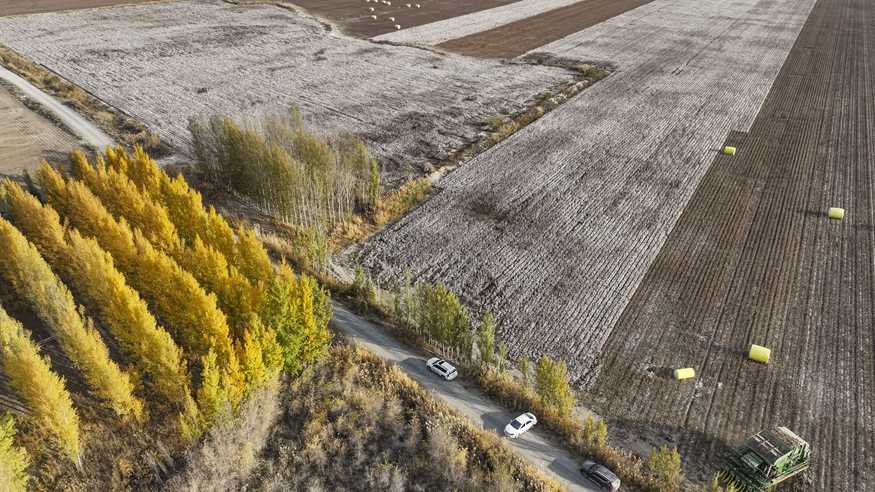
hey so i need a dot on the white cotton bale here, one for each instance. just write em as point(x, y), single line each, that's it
point(370, 9)
point(397, 27)
point(374, 17)
point(391, 19)
point(408, 5)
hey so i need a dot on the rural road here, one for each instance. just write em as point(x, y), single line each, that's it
point(540, 450)
point(81, 127)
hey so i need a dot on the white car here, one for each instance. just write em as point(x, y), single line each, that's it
point(442, 368)
point(520, 424)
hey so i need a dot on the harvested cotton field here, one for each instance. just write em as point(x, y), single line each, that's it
point(26, 137)
point(754, 259)
point(554, 228)
point(164, 63)
point(18, 7)
point(356, 17)
point(463, 25)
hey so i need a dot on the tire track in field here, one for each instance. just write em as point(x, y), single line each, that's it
point(753, 259)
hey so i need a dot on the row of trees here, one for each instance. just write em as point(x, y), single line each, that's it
point(287, 171)
point(197, 309)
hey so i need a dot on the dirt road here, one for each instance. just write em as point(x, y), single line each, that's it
point(81, 127)
point(538, 448)
point(754, 259)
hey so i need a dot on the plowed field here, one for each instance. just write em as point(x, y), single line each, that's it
point(355, 17)
point(754, 259)
point(524, 35)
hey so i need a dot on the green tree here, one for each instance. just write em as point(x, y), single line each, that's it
point(665, 463)
point(31, 376)
point(443, 318)
point(553, 387)
point(32, 279)
point(501, 359)
point(526, 369)
point(486, 340)
point(13, 460)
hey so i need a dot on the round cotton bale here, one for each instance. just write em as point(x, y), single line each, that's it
point(729, 150)
point(684, 373)
point(397, 27)
point(408, 5)
point(836, 213)
point(391, 19)
point(371, 9)
point(374, 17)
point(759, 353)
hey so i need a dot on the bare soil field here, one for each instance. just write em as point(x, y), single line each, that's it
point(554, 229)
point(483, 20)
point(516, 38)
point(354, 16)
point(26, 137)
point(17, 7)
point(754, 259)
point(164, 63)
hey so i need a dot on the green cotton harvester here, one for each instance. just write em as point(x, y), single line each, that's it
point(765, 460)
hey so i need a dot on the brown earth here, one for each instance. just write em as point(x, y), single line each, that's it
point(26, 137)
point(754, 259)
point(355, 19)
point(17, 7)
point(522, 36)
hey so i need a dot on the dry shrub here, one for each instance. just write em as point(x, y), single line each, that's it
point(355, 423)
point(230, 449)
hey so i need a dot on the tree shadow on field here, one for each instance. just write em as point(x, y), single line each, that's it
point(817, 214)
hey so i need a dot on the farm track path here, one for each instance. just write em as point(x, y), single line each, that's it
point(73, 121)
point(755, 259)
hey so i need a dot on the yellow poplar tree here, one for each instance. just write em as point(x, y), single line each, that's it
point(122, 198)
point(33, 280)
point(191, 218)
point(43, 390)
point(90, 272)
point(13, 460)
point(174, 294)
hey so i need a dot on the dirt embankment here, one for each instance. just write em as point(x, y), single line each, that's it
point(754, 259)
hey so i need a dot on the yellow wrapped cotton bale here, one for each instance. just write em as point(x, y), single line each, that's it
point(684, 373)
point(729, 150)
point(836, 213)
point(759, 353)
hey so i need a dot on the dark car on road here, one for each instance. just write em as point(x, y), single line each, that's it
point(600, 475)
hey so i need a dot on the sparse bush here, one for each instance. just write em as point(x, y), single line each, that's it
point(665, 463)
point(32, 279)
point(13, 460)
point(43, 390)
point(486, 340)
point(230, 449)
point(363, 289)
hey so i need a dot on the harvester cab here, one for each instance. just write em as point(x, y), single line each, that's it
point(765, 460)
